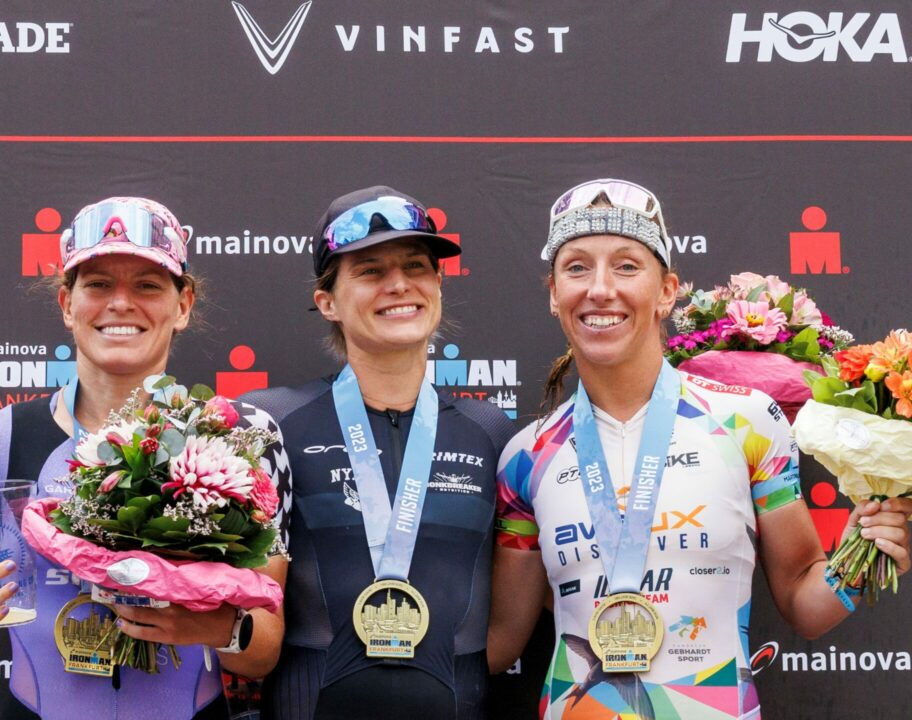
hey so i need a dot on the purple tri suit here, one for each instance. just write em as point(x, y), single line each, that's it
point(323, 672)
point(32, 446)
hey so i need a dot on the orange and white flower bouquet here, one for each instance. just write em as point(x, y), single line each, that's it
point(858, 427)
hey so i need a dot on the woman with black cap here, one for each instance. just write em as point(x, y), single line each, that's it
point(386, 602)
point(125, 293)
point(644, 499)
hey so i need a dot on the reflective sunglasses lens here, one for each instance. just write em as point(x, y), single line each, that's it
point(355, 224)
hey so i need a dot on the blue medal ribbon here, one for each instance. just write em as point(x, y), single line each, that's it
point(624, 542)
point(69, 401)
point(391, 531)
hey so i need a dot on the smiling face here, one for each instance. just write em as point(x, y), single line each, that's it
point(386, 298)
point(123, 311)
point(611, 294)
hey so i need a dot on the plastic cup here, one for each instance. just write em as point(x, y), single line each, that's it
point(14, 496)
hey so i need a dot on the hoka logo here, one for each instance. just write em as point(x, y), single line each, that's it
point(803, 37)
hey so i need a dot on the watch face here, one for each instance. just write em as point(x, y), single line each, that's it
point(246, 632)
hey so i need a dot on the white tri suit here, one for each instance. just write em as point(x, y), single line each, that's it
point(731, 458)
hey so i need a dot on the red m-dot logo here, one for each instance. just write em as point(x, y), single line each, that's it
point(41, 250)
point(815, 252)
point(449, 266)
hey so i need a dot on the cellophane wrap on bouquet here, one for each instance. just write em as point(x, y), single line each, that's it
point(778, 376)
point(169, 502)
point(755, 331)
point(198, 586)
point(858, 428)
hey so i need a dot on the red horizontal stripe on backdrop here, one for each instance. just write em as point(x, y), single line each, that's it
point(455, 139)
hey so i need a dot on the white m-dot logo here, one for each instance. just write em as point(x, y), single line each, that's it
point(272, 53)
point(803, 36)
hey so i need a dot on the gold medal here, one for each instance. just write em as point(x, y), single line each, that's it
point(394, 623)
point(625, 632)
point(86, 642)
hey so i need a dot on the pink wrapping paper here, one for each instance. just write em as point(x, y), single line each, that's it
point(198, 586)
point(778, 376)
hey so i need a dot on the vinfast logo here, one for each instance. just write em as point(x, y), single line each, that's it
point(29, 37)
point(414, 39)
point(832, 660)
point(804, 36)
point(272, 53)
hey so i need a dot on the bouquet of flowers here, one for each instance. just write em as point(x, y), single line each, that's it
point(778, 331)
point(166, 496)
point(858, 426)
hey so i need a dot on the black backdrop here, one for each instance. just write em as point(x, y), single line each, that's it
point(486, 111)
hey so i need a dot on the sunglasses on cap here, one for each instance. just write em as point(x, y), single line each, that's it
point(356, 223)
point(116, 221)
point(620, 193)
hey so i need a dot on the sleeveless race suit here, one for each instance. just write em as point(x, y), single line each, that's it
point(730, 458)
point(323, 671)
point(32, 446)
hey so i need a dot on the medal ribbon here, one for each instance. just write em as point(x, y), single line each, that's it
point(624, 542)
point(69, 401)
point(391, 532)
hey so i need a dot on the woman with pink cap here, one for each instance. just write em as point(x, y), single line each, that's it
point(125, 294)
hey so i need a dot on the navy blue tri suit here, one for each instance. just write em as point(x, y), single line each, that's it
point(323, 671)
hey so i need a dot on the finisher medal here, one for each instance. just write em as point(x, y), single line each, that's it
point(85, 637)
point(625, 633)
point(391, 618)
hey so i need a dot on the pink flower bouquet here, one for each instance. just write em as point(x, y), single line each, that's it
point(756, 332)
point(169, 502)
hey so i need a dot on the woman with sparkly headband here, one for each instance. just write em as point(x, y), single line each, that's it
point(386, 603)
point(124, 295)
point(644, 500)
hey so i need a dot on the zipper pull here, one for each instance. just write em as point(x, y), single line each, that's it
point(393, 416)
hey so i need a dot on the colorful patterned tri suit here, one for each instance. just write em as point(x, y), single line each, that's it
point(731, 458)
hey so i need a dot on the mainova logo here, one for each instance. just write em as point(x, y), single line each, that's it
point(805, 36)
point(833, 659)
point(273, 51)
point(30, 37)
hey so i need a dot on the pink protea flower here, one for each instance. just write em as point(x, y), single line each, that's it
point(209, 470)
point(263, 495)
point(755, 320)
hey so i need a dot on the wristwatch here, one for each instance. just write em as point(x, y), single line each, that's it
point(240, 633)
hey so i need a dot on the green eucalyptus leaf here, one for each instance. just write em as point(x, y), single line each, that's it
point(755, 294)
point(106, 453)
point(201, 392)
point(161, 455)
point(164, 381)
point(173, 440)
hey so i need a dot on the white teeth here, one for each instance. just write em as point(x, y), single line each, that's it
point(602, 320)
point(120, 330)
point(401, 310)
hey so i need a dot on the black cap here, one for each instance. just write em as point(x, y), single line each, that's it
point(379, 231)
